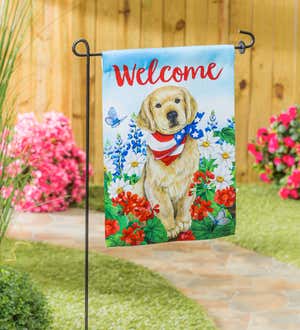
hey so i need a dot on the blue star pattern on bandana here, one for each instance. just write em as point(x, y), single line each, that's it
point(192, 129)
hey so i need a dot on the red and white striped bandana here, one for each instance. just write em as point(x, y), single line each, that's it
point(168, 147)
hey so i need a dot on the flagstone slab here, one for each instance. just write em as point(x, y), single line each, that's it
point(240, 289)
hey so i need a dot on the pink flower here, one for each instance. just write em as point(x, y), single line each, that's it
point(273, 143)
point(288, 160)
point(294, 194)
point(6, 192)
point(284, 193)
point(294, 179)
point(277, 152)
point(273, 119)
point(285, 119)
point(277, 161)
point(257, 154)
point(292, 111)
point(264, 177)
point(57, 164)
point(289, 142)
point(262, 135)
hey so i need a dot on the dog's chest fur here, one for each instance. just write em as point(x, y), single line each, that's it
point(176, 176)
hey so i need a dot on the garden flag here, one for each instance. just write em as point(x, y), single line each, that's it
point(169, 144)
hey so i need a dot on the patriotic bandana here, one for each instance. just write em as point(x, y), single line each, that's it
point(168, 147)
point(172, 186)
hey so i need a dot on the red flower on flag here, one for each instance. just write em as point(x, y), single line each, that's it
point(186, 236)
point(225, 197)
point(138, 206)
point(133, 235)
point(111, 227)
point(200, 209)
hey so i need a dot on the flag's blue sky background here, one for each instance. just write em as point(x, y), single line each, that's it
point(210, 95)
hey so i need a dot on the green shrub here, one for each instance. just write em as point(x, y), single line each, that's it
point(22, 306)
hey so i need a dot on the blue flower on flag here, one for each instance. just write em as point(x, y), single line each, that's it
point(231, 123)
point(118, 153)
point(212, 123)
point(135, 137)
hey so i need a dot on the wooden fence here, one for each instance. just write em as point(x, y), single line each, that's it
point(49, 77)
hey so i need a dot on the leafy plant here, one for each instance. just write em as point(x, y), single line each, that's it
point(155, 231)
point(226, 134)
point(22, 305)
point(277, 152)
point(56, 162)
point(14, 19)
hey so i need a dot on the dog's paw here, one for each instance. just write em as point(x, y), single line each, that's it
point(184, 225)
point(179, 227)
point(173, 233)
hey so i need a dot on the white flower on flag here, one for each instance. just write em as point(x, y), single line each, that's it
point(223, 177)
point(134, 163)
point(117, 187)
point(109, 165)
point(207, 144)
point(225, 155)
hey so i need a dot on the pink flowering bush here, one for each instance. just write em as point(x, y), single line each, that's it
point(56, 164)
point(277, 152)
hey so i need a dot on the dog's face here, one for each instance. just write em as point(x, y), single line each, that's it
point(167, 110)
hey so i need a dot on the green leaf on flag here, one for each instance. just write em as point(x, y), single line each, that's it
point(155, 231)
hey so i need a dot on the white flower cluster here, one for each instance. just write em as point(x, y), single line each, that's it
point(224, 156)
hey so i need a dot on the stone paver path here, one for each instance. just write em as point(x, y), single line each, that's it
point(240, 289)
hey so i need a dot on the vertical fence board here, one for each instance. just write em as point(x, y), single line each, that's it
point(284, 61)
point(261, 71)
point(129, 21)
point(108, 36)
point(174, 23)
point(66, 57)
point(39, 63)
point(296, 76)
point(241, 16)
point(83, 26)
point(151, 23)
point(21, 83)
point(196, 22)
point(217, 29)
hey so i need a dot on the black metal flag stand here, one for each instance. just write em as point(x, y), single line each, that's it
point(241, 47)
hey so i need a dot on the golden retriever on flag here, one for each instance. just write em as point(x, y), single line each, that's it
point(170, 115)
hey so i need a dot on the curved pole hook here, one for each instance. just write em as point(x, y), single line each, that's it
point(87, 47)
point(241, 45)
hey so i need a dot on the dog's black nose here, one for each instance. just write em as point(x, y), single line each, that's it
point(172, 115)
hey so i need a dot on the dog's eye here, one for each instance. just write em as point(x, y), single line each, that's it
point(177, 100)
point(157, 105)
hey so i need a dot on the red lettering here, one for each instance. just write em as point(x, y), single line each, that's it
point(152, 68)
point(177, 71)
point(162, 76)
point(193, 71)
point(165, 74)
point(210, 75)
point(120, 79)
point(140, 71)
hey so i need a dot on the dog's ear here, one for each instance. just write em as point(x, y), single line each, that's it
point(191, 105)
point(145, 118)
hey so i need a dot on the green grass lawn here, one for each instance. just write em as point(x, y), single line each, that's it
point(265, 223)
point(122, 294)
point(268, 224)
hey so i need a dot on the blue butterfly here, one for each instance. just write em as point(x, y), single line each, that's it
point(112, 118)
point(220, 219)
